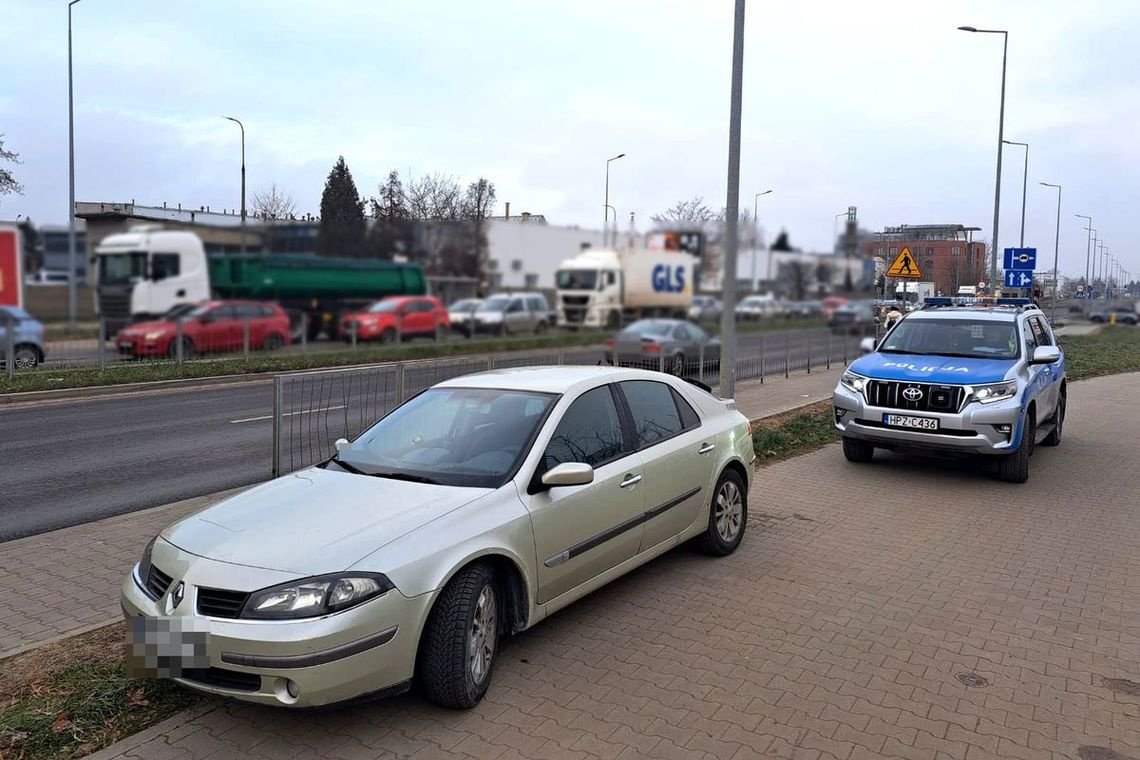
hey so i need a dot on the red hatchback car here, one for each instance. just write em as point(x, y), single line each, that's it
point(210, 327)
point(403, 316)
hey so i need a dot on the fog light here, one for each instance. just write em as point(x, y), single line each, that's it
point(286, 691)
point(1004, 428)
point(840, 414)
point(291, 687)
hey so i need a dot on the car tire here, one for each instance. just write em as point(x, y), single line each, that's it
point(677, 365)
point(187, 349)
point(273, 343)
point(388, 336)
point(457, 654)
point(1014, 468)
point(613, 320)
point(26, 357)
point(728, 516)
point(1054, 437)
point(540, 328)
point(858, 451)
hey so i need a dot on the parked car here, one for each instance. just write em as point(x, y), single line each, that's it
point(1123, 314)
point(759, 307)
point(674, 344)
point(830, 304)
point(804, 310)
point(210, 327)
point(471, 512)
point(397, 317)
point(852, 318)
point(48, 277)
point(27, 338)
point(514, 313)
point(705, 309)
point(461, 314)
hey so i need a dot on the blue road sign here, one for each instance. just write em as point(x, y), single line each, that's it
point(1021, 259)
point(1015, 278)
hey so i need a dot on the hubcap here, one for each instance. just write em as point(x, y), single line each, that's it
point(481, 638)
point(678, 365)
point(25, 360)
point(729, 513)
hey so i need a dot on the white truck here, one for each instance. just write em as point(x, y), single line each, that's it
point(608, 288)
point(914, 292)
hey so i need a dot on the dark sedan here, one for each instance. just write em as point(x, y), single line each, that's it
point(1123, 316)
point(674, 345)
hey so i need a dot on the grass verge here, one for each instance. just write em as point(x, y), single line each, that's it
point(54, 378)
point(73, 697)
point(1115, 349)
point(793, 433)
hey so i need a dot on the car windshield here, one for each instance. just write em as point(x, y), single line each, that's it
point(15, 313)
point(648, 327)
point(122, 268)
point(452, 436)
point(465, 305)
point(978, 339)
point(577, 279)
point(381, 307)
point(180, 310)
point(498, 303)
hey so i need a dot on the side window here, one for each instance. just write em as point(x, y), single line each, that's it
point(590, 432)
point(611, 278)
point(516, 306)
point(698, 334)
point(164, 265)
point(222, 313)
point(689, 418)
point(538, 304)
point(1030, 338)
point(1040, 332)
point(268, 311)
point(655, 415)
point(680, 332)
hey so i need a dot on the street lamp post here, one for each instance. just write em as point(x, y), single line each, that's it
point(755, 235)
point(72, 269)
point(606, 223)
point(1088, 245)
point(1024, 182)
point(732, 209)
point(1001, 130)
point(242, 127)
point(1056, 248)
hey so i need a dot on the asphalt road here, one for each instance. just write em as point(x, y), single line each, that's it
point(66, 463)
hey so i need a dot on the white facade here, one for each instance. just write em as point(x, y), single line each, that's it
point(525, 255)
point(763, 265)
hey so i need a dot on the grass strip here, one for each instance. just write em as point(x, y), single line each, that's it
point(793, 433)
point(1115, 349)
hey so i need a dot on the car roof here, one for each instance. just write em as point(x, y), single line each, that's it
point(551, 379)
point(975, 313)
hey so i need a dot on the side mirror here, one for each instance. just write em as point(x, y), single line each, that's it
point(1045, 355)
point(867, 345)
point(341, 444)
point(569, 474)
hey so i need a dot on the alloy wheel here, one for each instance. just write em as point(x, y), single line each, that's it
point(482, 635)
point(729, 511)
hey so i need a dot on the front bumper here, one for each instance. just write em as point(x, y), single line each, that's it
point(977, 429)
point(367, 649)
point(140, 346)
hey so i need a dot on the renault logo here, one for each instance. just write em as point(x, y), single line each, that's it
point(175, 597)
point(912, 393)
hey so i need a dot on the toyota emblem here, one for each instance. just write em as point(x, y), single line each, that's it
point(912, 393)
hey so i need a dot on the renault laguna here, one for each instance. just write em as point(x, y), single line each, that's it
point(470, 512)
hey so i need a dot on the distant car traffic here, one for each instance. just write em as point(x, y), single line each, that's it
point(472, 512)
point(27, 338)
point(830, 304)
point(672, 344)
point(759, 307)
point(705, 309)
point(209, 327)
point(514, 313)
point(461, 314)
point(397, 317)
point(1123, 315)
point(48, 277)
point(852, 318)
point(804, 309)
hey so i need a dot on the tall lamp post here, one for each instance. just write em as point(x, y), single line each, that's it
point(1056, 248)
point(242, 127)
point(1001, 131)
point(732, 209)
point(606, 223)
point(1024, 182)
point(1088, 245)
point(755, 235)
point(72, 273)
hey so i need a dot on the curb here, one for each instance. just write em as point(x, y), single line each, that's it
point(60, 637)
point(128, 743)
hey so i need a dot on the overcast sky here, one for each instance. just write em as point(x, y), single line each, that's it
point(879, 105)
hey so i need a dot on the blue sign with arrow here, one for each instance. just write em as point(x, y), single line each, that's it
point(1021, 259)
point(1016, 278)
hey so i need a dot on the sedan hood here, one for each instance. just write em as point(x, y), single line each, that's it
point(931, 369)
point(315, 521)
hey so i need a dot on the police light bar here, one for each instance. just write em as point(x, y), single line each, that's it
point(968, 301)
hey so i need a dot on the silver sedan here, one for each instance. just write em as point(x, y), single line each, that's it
point(471, 512)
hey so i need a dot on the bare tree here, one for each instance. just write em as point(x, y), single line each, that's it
point(435, 197)
point(272, 203)
point(8, 183)
point(685, 212)
point(797, 276)
point(479, 200)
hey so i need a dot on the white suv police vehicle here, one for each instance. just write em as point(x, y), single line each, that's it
point(960, 377)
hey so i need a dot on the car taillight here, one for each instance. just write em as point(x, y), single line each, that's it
point(651, 348)
point(610, 343)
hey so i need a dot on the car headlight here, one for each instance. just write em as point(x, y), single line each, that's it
point(315, 596)
point(155, 334)
point(144, 561)
point(987, 394)
point(853, 382)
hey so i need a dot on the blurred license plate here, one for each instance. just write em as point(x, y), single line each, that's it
point(905, 421)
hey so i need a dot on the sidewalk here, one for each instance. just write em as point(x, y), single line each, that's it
point(82, 566)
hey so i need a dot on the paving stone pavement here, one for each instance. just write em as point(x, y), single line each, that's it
point(838, 630)
point(84, 590)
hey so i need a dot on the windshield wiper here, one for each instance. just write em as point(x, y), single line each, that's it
point(344, 465)
point(403, 476)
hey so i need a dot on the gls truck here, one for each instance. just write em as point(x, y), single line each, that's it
point(608, 288)
point(142, 273)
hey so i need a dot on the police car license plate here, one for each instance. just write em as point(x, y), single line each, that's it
point(906, 421)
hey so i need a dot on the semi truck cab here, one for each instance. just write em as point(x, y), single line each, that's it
point(141, 274)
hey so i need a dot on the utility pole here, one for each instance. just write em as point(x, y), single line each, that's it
point(732, 208)
point(1088, 246)
point(1056, 249)
point(72, 265)
point(242, 126)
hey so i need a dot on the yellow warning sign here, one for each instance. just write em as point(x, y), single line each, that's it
point(905, 266)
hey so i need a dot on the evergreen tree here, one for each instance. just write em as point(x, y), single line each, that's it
point(391, 231)
point(342, 215)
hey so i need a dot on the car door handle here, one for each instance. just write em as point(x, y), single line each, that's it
point(630, 481)
point(706, 448)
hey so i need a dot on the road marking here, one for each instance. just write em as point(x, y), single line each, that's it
point(287, 414)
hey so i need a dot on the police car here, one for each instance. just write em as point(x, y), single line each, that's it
point(959, 376)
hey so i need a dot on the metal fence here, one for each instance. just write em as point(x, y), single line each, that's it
point(311, 410)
